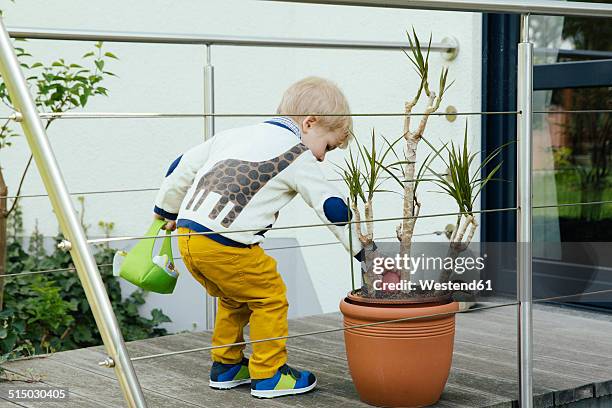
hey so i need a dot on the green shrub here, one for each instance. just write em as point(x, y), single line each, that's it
point(49, 312)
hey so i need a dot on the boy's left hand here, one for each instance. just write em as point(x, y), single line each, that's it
point(170, 224)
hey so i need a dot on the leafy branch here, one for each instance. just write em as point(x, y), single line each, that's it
point(364, 182)
point(59, 87)
point(463, 184)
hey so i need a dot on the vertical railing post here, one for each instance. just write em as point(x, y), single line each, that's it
point(524, 218)
point(209, 131)
point(83, 259)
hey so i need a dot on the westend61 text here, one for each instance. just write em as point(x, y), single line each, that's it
point(405, 285)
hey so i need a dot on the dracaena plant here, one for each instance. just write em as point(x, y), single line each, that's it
point(364, 183)
point(363, 175)
point(411, 203)
point(364, 167)
point(463, 182)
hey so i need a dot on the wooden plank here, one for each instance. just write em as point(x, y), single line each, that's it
point(603, 388)
point(333, 388)
point(554, 348)
point(558, 324)
point(182, 378)
point(483, 372)
point(186, 375)
point(86, 384)
point(333, 371)
point(574, 394)
point(6, 403)
point(570, 369)
point(567, 389)
point(457, 396)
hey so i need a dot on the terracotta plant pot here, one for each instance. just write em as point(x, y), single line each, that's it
point(403, 364)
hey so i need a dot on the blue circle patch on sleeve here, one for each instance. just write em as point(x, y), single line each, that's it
point(337, 211)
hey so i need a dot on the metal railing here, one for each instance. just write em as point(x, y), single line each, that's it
point(546, 7)
point(80, 250)
point(76, 242)
point(449, 47)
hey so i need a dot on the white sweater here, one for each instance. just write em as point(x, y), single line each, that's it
point(242, 177)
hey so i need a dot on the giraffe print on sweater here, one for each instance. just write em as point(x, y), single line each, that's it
point(237, 181)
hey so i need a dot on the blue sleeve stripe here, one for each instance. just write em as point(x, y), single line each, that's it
point(337, 211)
point(173, 165)
point(164, 213)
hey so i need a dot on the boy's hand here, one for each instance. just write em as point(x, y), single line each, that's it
point(170, 225)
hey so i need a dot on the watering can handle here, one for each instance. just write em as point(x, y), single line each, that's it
point(166, 244)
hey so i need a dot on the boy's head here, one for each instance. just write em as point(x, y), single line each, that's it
point(308, 102)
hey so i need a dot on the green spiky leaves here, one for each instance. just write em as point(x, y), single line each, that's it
point(420, 64)
point(364, 168)
point(462, 184)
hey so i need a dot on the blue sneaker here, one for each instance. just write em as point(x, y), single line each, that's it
point(286, 381)
point(226, 376)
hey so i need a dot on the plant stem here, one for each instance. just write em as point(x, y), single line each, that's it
point(350, 227)
point(369, 216)
point(362, 238)
point(3, 235)
point(25, 171)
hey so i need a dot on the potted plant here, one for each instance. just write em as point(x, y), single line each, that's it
point(406, 363)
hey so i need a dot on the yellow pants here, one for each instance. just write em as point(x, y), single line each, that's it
point(250, 290)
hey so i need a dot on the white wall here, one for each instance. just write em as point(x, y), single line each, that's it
point(103, 154)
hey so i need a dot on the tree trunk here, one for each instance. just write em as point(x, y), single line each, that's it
point(3, 235)
point(407, 225)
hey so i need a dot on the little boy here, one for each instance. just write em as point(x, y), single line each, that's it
point(238, 181)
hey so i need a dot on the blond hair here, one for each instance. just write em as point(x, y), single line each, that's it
point(317, 97)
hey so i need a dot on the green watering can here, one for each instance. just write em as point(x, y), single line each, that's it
point(140, 267)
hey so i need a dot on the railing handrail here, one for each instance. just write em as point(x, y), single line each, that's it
point(544, 7)
point(210, 39)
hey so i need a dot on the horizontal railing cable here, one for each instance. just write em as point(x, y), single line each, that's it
point(10, 275)
point(572, 204)
point(577, 111)
point(567, 297)
point(132, 190)
point(317, 332)
point(129, 238)
point(72, 269)
point(157, 115)
point(128, 190)
point(170, 115)
point(135, 190)
point(357, 326)
point(288, 227)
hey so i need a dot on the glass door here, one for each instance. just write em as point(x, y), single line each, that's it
point(572, 157)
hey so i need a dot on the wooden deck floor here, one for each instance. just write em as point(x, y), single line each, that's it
point(573, 362)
